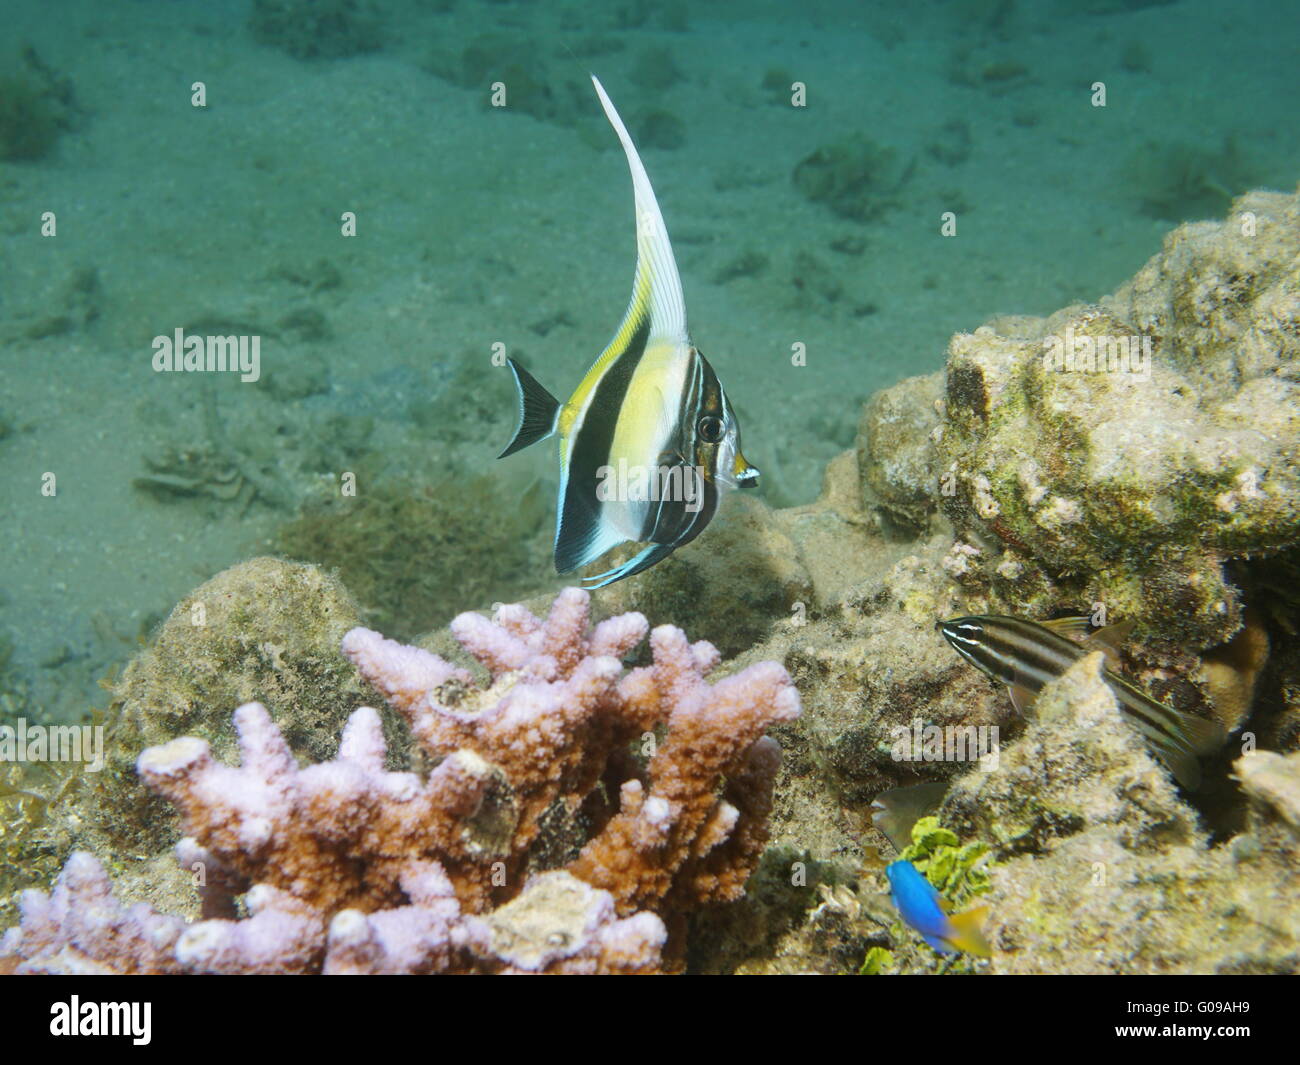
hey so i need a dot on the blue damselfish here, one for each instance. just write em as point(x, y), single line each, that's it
point(923, 908)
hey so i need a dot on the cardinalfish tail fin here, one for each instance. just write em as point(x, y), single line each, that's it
point(657, 290)
point(1189, 739)
point(1201, 734)
point(1175, 736)
point(967, 932)
point(1184, 766)
point(537, 411)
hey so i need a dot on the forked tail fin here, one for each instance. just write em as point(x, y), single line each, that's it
point(968, 932)
point(537, 411)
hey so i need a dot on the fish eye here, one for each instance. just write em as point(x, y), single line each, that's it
point(710, 428)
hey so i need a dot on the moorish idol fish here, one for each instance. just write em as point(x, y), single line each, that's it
point(1025, 655)
point(648, 440)
point(922, 907)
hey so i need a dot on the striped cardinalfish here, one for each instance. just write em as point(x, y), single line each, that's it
point(1026, 655)
point(648, 440)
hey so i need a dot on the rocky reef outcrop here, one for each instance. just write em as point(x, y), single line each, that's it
point(1135, 459)
point(1122, 453)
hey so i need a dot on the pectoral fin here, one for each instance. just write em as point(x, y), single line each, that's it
point(643, 560)
point(1021, 698)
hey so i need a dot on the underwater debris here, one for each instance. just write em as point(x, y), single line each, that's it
point(317, 29)
point(443, 872)
point(855, 177)
point(1178, 181)
point(216, 470)
point(37, 106)
point(190, 472)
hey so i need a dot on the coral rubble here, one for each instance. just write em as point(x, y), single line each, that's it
point(346, 866)
point(855, 177)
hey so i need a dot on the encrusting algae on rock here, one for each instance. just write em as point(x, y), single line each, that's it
point(511, 854)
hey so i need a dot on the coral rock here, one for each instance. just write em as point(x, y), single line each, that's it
point(349, 867)
point(80, 928)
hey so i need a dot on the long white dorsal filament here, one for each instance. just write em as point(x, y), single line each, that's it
point(655, 265)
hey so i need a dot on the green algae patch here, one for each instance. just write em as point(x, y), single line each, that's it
point(957, 871)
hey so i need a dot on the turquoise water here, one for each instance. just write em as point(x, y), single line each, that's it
point(480, 225)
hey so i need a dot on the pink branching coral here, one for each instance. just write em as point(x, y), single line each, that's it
point(345, 866)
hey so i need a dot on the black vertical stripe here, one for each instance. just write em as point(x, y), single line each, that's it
point(669, 522)
point(591, 448)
